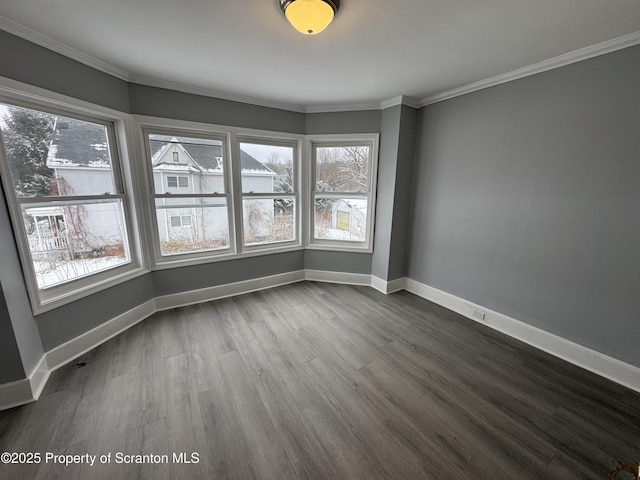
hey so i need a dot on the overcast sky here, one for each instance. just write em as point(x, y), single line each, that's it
point(262, 153)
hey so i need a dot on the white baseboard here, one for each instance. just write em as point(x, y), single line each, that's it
point(14, 394)
point(338, 277)
point(80, 345)
point(26, 390)
point(227, 290)
point(596, 362)
point(39, 376)
point(388, 286)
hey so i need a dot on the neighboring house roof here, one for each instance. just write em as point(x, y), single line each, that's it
point(77, 144)
point(81, 144)
point(206, 155)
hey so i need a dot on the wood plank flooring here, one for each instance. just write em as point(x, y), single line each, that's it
point(324, 381)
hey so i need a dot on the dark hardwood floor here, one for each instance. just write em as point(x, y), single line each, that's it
point(324, 381)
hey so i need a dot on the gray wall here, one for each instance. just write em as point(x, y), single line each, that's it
point(10, 360)
point(365, 121)
point(184, 279)
point(393, 202)
point(165, 103)
point(16, 319)
point(25, 62)
point(402, 206)
point(527, 201)
point(67, 322)
point(345, 262)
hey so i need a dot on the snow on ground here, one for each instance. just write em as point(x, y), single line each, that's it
point(49, 274)
point(336, 234)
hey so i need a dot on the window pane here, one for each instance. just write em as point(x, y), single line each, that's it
point(342, 169)
point(57, 156)
point(71, 241)
point(181, 163)
point(266, 168)
point(340, 219)
point(268, 220)
point(187, 225)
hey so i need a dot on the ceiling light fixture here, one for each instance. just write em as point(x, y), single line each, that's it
point(310, 16)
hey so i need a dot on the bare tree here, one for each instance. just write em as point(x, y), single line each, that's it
point(355, 168)
point(343, 169)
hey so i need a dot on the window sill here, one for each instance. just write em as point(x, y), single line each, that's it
point(340, 247)
point(221, 257)
point(59, 297)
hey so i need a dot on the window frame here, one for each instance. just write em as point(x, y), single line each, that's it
point(296, 187)
point(318, 141)
point(227, 195)
point(119, 129)
point(163, 126)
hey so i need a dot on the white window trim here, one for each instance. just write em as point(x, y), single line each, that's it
point(297, 234)
point(372, 139)
point(154, 234)
point(149, 124)
point(28, 96)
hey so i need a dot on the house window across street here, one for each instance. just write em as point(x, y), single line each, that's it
point(181, 221)
point(177, 182)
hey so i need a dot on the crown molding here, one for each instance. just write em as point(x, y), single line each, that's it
point(49, 43)
point(400, 100)
point(344, 107)
point(352, 107)
point(550, 64)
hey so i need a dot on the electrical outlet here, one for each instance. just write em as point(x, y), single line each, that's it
point(479, 314)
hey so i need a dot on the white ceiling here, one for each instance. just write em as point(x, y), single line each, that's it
point(373, 51)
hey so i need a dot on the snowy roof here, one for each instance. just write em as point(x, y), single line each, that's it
point(76, 143)
point(206, 155)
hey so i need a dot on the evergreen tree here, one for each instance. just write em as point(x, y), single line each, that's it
point(27, 136)
point(284, 183)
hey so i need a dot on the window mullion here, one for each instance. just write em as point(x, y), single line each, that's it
point(236, 190)
point(43, 201)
